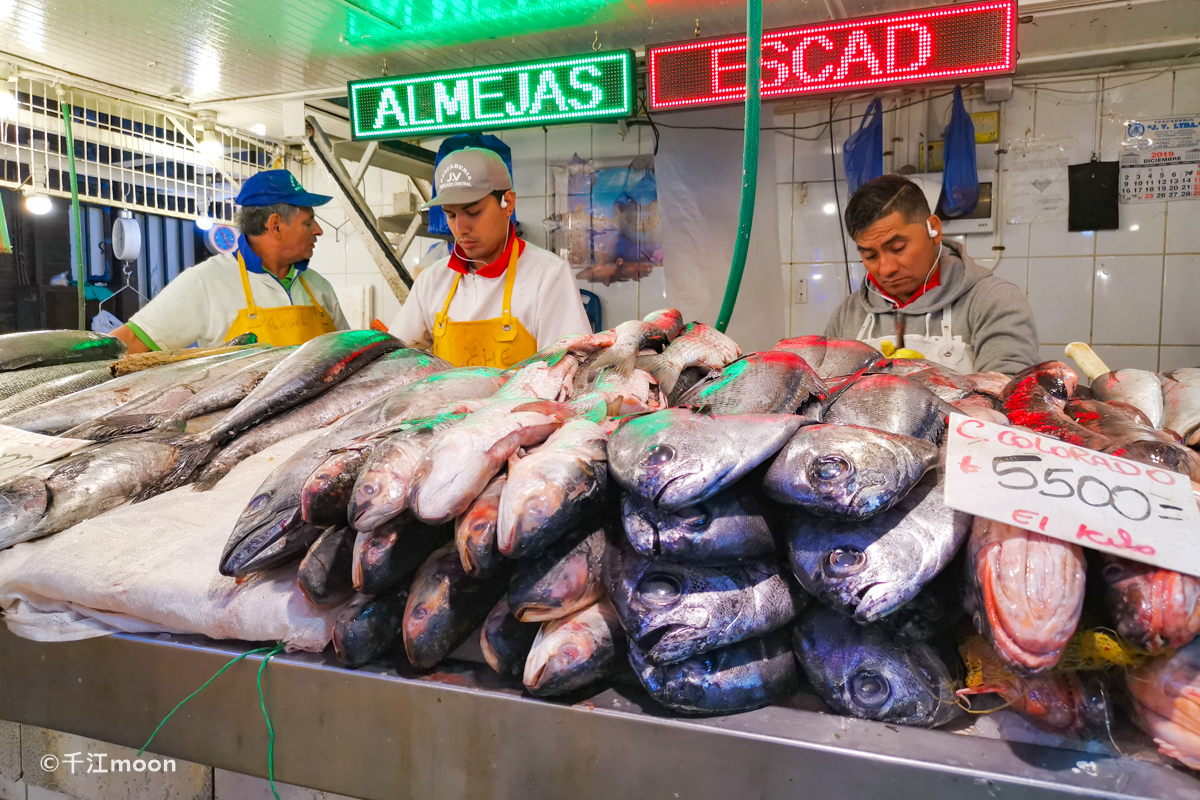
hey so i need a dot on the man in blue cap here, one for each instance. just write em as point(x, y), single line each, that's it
point(265, 287)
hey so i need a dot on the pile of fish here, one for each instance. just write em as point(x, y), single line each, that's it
point(733, 527)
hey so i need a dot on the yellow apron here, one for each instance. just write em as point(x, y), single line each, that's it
point(498, 342)
point(282, 326)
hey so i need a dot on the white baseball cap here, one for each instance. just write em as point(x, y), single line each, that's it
point(469, 175)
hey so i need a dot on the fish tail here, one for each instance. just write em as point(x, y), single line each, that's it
point(194, 453)
point(622, 360)
point(113, 427)
point(665, 371)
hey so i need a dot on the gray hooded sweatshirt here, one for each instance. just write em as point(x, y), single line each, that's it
point(989, 313)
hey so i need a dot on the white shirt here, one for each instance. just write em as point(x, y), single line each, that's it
point(545, 298)
point(201, 304)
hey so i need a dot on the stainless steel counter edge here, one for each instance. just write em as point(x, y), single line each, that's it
point(462, 733)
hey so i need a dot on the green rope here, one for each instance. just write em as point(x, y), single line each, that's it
point(81, 276)
point(741, 245)
point(262, 704)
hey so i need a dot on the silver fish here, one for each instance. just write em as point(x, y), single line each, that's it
point(847, 471)
point(947, 384)
point(20, 380)
point(676, 611)
point(834, 358)
point(45, 391)
point(574, 651)
point(870, 568)
point(45, 348)
point(678, 457)
point(861, 671)
point(697, 345)
point(732, 527)
point(771, 382)
point(1181, 404)
point(740, 677)
point(225, 393)
point(654, 330)
point(890, 403)
point(1137, 387)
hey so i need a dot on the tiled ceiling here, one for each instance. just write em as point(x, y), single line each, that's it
point(200, 51)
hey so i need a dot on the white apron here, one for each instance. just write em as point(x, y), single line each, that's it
point(948, 351)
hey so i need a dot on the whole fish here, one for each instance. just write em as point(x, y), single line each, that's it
point(1137, 387)
point(1025, 593)
point(382, 488)
point(275, 511)
point(370, 628)
point(1181, 404)
point(697, 345)
point(444, 606)
point(552, 488)
point(561, 581)
point(45, 348)
point(62, 413)
point(846, 470)
point(80, 486)
point(505, 641)
point(947, 384)
point(388, 555)
point(834, 358)
point(141, 413)
point(733, 527)
point(675, 611)
point(890, 403)
point(654, 330)
point(1035, 398)
point(325, 571)
point(379, 378)
point(574, 651)
point(771, 382)
point(463, 458)
point(861, 671)
point(871, 568)
point(83, 376)
point(475, 531)
point(1153, 608)
point(678, 457)
point(740, 677)
point(990, 383)
point(21, 380)
point(312, 368)
point(1166, 702)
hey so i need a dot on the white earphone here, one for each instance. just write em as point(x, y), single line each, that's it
point(929, 227)
point(504, 202)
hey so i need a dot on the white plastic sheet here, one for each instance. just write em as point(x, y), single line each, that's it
point(699, 173)
point(152, 567)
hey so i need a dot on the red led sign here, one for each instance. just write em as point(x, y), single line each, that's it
point(949, 43)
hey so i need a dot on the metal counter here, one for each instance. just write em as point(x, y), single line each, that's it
point(461, 733)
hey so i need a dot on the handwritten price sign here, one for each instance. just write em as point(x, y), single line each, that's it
point(1072, 493)
point(21, 450)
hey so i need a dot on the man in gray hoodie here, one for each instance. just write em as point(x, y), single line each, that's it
point(925, 295)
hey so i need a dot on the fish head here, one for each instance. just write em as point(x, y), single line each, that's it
point(847, 471)
point(564, 647)
point(1154, 608)
point(262, 524)
point(285, 538)
point(662, 458)
point(24, 499)
point(1054, 377)
point(426, 615)
point(863, 672)
point(565, 578)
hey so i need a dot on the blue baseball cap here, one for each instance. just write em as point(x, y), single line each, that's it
point(277, 186)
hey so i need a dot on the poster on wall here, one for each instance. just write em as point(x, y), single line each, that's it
point(605, 218)
point(1160, 159)
point(1036, 187)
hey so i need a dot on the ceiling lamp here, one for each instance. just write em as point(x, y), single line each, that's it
point(35, 201)
point(207, 138)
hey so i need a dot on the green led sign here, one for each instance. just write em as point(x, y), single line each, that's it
point(547, 92)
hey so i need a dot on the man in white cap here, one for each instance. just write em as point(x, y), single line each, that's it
point(497, 299)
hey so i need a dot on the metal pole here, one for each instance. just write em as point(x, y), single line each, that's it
point(81, 276)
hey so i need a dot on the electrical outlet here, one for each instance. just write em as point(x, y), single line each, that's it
point(799, 291)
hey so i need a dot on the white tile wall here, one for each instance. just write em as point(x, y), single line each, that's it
point(1141, 314)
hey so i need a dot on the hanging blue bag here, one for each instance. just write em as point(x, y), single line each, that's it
point(437, 217)
point(862, 153)
point(960, 180)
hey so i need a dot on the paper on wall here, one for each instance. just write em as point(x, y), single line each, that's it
point(1160, 159)
point(1035, 186)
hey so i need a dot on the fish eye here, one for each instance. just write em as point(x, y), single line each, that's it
point(870, 689)
point(659, 589)
point(259, 501)
point(1113, 572)
point(830, 468)
point(659, 454)
point(846, 560)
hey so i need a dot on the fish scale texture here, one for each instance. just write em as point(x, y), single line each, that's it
point(152, 567)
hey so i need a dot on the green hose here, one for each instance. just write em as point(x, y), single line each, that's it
point(81, 277)
point(749, 159)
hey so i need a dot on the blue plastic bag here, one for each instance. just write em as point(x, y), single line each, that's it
point(960, 180)
point(437, 217)
point(862, 153)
